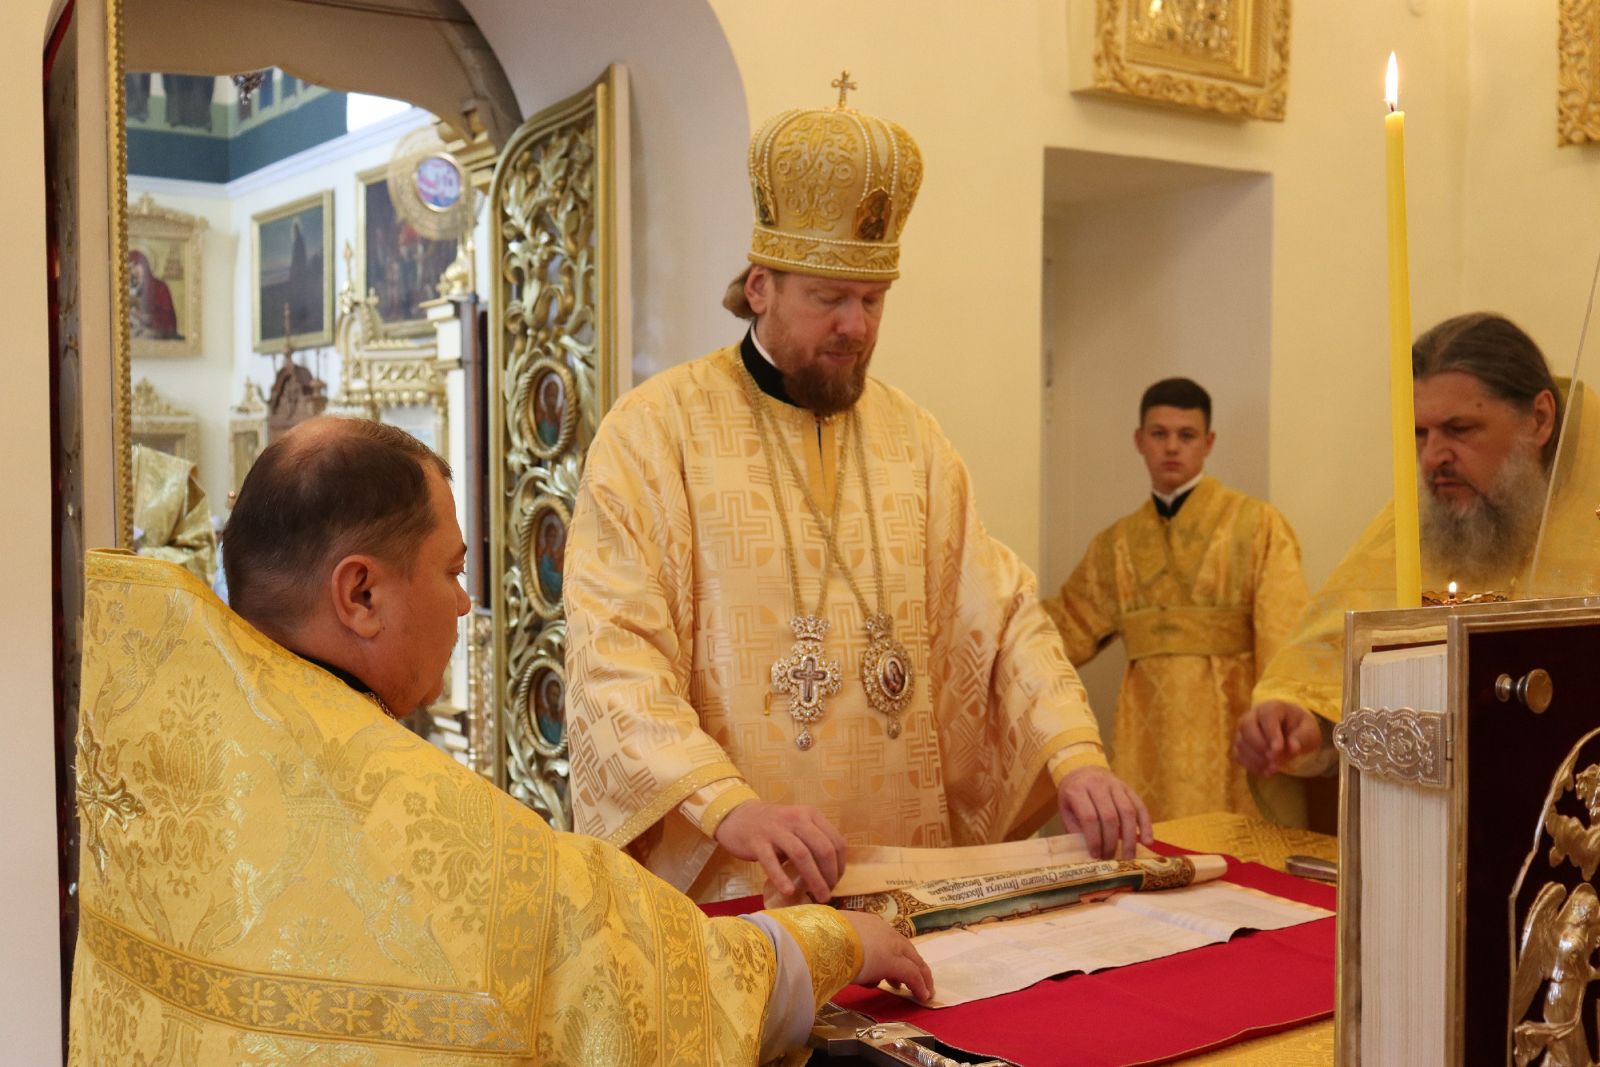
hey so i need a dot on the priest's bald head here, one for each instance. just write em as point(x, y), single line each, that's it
point(343, 547)
point(1488, 415)
point(832, 189)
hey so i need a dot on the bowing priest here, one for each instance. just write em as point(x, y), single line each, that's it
point(274, 871)
point(787, 627)
point(1489, 420)
point(1202, 584)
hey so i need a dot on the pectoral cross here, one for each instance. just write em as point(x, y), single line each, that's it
point(843, 84)
point(807, 677)
point(804, 676)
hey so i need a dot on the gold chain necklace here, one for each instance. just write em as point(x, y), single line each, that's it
point(886, 674)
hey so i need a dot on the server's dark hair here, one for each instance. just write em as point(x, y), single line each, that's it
point(315, 496)
point(1176, 393)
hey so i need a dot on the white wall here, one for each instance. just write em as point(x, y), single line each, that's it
point(1171, 280)
point(30, 1026)
point(690, 199)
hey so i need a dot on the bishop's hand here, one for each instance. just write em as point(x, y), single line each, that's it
point(885, 954)
point(1100, 806)
point(1273, 735)
point(774, 835)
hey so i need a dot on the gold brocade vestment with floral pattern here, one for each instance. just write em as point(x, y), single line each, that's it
point(273, 872)
point(678, 602)
point(1202, 602)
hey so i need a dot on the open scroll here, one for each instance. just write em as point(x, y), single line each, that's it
point(988, 928)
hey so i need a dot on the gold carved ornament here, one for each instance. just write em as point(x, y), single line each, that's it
point(1229, 57)
point(553, 317)
point(1559, 932)
point(1578, 74)
point(1402, 744)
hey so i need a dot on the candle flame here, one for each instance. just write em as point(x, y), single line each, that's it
point(1391, 84)
point(1452, 588)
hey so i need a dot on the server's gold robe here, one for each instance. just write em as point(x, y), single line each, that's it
point(678, 601)
point(275, 873)
point(1202, 601)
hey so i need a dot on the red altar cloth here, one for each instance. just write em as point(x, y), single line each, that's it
point(1257, 984)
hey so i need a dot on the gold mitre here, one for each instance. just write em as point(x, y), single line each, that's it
point(832, 190)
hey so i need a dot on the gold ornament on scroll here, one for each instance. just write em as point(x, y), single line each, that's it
point(553, 369)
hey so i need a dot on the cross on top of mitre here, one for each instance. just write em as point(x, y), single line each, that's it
point(843, 84)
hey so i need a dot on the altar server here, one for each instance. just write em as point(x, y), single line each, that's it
point(1202, 584)
point(1489, 421)
point(787, 627)
point(274, 871)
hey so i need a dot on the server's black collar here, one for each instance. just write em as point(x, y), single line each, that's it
point(1165, 510)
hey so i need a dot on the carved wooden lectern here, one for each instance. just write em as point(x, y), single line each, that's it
point(1470, 836)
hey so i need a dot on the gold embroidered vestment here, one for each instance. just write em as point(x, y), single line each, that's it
point(274, 873)
point(1202, 602)
point(678, 602)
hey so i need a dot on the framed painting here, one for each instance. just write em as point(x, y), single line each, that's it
point(163, 280)
point(550, 414)
point(1226, 57)
point(394, 262)
point(544, 548)
point(541, 705)
point(291, 274)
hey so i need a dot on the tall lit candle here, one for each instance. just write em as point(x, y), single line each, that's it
point(1402, 413)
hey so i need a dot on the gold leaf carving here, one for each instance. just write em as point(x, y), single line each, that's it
point(1230, 57)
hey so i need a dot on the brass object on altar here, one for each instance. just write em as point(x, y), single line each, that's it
point(1533, 690)
point(247, 435)
point(557, 300)
point(1432, 598)
point(1228, 57)
point(1399, 743)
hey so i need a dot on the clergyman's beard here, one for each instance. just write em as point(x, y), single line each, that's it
point(815, 389)
point(1490, 536)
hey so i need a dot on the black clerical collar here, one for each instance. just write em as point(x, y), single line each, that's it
point(1166, 510)
point(340, 673)
point(768, 377)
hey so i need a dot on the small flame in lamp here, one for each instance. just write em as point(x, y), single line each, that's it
point(1451, 589)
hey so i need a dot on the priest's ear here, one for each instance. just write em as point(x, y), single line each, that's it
point(759, 285)
point(1544, 417)
point(354, 590)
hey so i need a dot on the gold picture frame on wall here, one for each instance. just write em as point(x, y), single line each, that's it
point(291, 267)
point(1578, 74)
point(394, 262)
point(1226, 57)
point(163, 280)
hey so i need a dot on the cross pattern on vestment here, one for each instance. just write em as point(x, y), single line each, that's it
point(843, 84)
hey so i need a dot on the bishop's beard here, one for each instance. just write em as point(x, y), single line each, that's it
point(1490, 537)
point(817, 390)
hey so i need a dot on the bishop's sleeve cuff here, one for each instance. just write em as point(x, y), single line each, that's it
point(1069, 759)
point(707, 806)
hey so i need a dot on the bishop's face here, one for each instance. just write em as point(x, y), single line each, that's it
point(819, 331)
